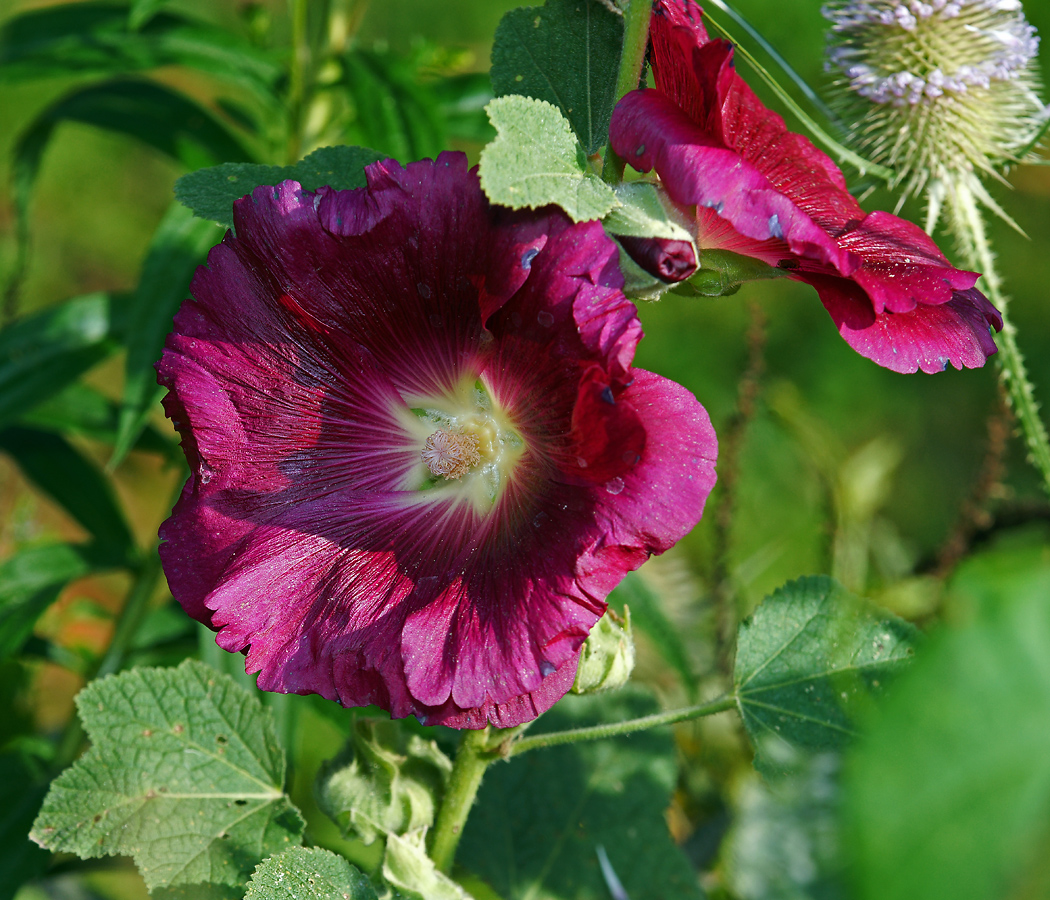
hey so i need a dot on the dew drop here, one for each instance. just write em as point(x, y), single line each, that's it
point(630, 457)
point(581, 462)
point(424, 290)
point(607, 396)
point(545, 318)
point(527, 257)
point(614, 485)
point(547, 668)
point(540, 519)
point(775, 228)
point(640, 150)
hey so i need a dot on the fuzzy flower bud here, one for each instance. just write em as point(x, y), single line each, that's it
point(938, 90)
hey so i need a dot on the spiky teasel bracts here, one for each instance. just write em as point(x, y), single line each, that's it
point(942, 92)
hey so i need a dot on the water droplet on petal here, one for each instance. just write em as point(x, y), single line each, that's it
point(540, 519)
point(424, 290)
point(547, 668)
point(527, 257)
point(545, 318)
point(614, 485)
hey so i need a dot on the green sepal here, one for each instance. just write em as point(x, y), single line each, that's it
point(722, 272)
point(607, 656)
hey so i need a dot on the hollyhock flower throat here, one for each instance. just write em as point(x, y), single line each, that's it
point(420, 456)
point(759, 190)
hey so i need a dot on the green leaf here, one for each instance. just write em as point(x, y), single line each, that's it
point(462, 100)
point(81, 410)
point(538, 821)
point(20, 796)
point(31, 580)
point(180, 243)
point(407, 867)
point(42, 354)
point(947, 795)
point(199, 891)
point(211, 192)
point(185, 776)
point(75, 483)
point(535, 161)
point(807, 661)
point(308, 873)
point(141, 11)
point(566, 52)
point(95, 40)
point(386, 781)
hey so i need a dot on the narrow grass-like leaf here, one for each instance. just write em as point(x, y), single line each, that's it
point(42, 354)
point(179, 245)
point(211, 192)
point(807, 661)
point(535, 160)
point(566, 52)
point(76, 484)
point(308, 873)
point(141, 11)
point(185, 775)
point(94, 39)
point(31, 580)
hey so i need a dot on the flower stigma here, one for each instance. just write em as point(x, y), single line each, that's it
point(467, 443)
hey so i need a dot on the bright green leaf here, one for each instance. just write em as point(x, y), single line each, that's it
point(75, 483)
point(566, 52)
point(948, 793)
point(386, 781)
point(535, 161)
point(211, 192)
point(807, 660)
point(185, 775)
point(31, 580)
point(539, 819)
point(179, 245)
point(42, 354)
point(407, 867)
point(303, 873)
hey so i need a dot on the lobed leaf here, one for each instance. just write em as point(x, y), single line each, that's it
point(308, 873)
point(211, 192)
point(180, 244)
point(185, 776)
point(538, 821)
point(536, 161)
point(566, 52)
point(807, 661)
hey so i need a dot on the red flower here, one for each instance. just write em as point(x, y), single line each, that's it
point(765, 192)
point(420, 458)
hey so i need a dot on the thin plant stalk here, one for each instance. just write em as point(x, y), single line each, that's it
point(632, 58)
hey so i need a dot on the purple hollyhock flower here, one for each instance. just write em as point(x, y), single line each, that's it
point(419, 456)
point(761, 191)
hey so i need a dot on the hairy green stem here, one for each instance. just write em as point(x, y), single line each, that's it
point(972, 235)
point(472, 758)
point(597, 732)
point(632, 57)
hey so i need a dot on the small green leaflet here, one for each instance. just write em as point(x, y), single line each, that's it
point(807, 661)
point(211, 192)
point(302, 873)
point(535, 161)
point(566, 52)
point(185, 775)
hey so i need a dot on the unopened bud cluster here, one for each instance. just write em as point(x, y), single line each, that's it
point(940, 88)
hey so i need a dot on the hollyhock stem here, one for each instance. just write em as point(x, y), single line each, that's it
point(597, 732)
point(635, 40)
point(472, 758)
point(970, 230)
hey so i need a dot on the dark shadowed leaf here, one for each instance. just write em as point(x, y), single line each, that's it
point(308, 873)
point(185, 775)
point(95, 40)
point(21, 792)
point(807, 661)
point(51, 463)
point(948, 793)
point(32, 579)
point(566, 52)
point(211, 192)
point(179, 245)
point(540, 818)
point(42, 354)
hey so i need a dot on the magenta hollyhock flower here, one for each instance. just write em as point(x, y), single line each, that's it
point(419, 456)
point(764, 192)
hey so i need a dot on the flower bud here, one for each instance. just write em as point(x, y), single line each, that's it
point(669, 260)
point(607, 656)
